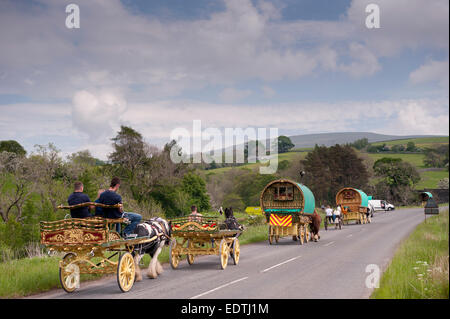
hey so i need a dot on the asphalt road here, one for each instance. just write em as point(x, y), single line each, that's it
point(334, 267)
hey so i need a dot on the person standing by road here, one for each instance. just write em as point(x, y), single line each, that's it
point(329, 214)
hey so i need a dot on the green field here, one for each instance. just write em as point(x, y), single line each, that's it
point(415, 159)
point(420, 267)
point(430, 179)
point(420, 142)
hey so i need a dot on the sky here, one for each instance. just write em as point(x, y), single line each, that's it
point(302, 66)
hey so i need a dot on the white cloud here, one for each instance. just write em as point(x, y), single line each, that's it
point(97, 114)
point(233, 95)
point(431, 71)
point(268, 92)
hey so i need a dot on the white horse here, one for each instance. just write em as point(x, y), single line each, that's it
point(153, 227)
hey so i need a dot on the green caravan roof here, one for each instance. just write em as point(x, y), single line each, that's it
point(429, 194)
point(310, 201)
point(364, 198)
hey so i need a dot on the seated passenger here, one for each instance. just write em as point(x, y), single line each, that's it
point(110, 197)
point(99, 210)
point(195, 216)
point(78, 197)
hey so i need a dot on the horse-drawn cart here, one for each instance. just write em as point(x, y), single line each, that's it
point(288, 207)
point(89, 246)
point(353, 203)
point(198, 235)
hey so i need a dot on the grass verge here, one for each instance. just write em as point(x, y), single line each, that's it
point(420, 267)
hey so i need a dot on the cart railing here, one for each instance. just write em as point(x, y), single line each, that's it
point(195, 224)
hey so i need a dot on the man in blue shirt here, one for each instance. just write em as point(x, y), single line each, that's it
point(78, 197)
point(110, 197)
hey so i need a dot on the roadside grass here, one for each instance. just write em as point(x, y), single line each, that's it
point(420, 267)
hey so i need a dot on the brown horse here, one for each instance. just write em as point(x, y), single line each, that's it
point(315, 226)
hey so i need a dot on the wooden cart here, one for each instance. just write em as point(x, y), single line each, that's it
point(354, 203)
point(199, 235)
point(89, 246)
point(288, 207)
point(337, 223)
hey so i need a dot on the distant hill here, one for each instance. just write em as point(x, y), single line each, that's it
point(330, 139)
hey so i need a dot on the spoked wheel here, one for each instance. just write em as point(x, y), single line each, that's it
point(301, 235)
point(277, 237)
point(270, 235)
point(306, 234)
point(224, 252)
point(126, 272)
point(190, 257)
point(173, 255)
point(69, 274)
point(236, 251)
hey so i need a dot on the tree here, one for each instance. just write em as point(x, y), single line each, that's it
point(195, 187)
point(330, 168)
point(397, 179)
point(360, 144)
point(284, 144)
point(411, 146)
point(12, 147)
point(398, 148)
point(443, 183)
point(16, 184)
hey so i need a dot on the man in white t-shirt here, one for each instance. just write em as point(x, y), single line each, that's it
point(329, 214)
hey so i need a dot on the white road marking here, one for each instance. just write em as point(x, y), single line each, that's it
point(331, 242)
point(284, 262)
point(349, 235)
point(220, 287)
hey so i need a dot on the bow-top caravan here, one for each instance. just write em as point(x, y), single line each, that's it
point(288, 207)
point(353, 203)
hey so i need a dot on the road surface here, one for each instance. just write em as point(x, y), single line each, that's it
point(334, 267)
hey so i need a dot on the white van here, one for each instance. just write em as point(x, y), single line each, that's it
point(379, 204)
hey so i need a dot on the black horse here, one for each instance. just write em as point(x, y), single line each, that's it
point(153, 227)
point(231, 221)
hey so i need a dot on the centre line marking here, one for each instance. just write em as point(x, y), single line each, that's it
point(220, 287)
point(331, 242)
point(284, 262)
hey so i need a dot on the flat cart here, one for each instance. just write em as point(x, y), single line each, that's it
point(198, 235)
point(89, 246)
point(354, 203)
point(288, 207)
point(337, 223)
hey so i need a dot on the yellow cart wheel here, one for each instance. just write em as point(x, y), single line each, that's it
point(126, 272)
point(236, 251)
point(270, 235)
point(224, 252)
point(306, 234)
point(173, 255)
point(190, 257)
point(301, 238)
point(69, 273)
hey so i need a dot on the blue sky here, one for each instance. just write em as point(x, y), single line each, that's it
point(301, 66)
